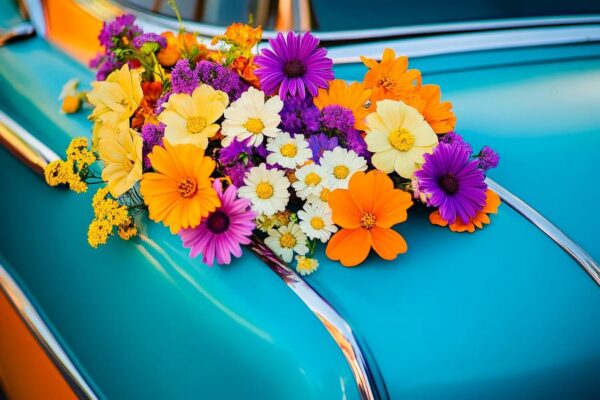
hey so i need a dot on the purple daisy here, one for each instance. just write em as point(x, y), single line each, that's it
point(293, 65)
point(222, 233)
point(488, 158)
point(455, 183)
point(321, 143)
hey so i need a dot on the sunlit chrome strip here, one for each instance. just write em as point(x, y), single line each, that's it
point(573, 249)
point(155, 22)
point(38, 327)
point(24, 145)
point(37, 16)
point(329, 317)
point(468, 42)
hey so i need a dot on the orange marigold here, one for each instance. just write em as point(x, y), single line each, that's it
point(391, 77)
point(492, 202)
point(366, 212)
point(242, 35)
point(439, 115)
point(353, 97)
point(179, 194)
point(245, 68)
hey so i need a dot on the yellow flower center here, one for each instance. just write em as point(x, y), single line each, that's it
point(341, 172)
point(287, 240)
point(254, 125)
point(264, 190)
point(289, 150)
point(312, 179)
point(324, 195)
point(402, 140)
point(196, 124)
point(317, 223)
point(186, 187)
point(367, 220)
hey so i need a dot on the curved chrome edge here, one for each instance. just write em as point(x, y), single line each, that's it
point(468, 42)
point(589, 265)
point(40, 330)
point(335, 324)
point(24, 145)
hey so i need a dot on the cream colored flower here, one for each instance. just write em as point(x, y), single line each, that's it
point(310, 180)
point(286, 241)
point(122, 157)
point(305, 265)
point(288, 151)
point(340, 164)
point(316, 222)
point(251, 117)
point(398, 136)
point(192, 119)
point(267, 190)
point(116, 98)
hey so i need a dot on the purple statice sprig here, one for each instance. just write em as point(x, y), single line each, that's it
point(488, 158)
point(300, 116)
point(321, 143)
point(221, 78)
point(113, 32)
point(184, 78)
point(335, 117)
point(149, 42)
point(152, 135)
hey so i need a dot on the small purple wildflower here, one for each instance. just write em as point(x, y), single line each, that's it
point(231, 154)
point(453, 137)
point(123, 25)
point(237, 172)
point(355, 141)
point(488, 158)
point(144, 38)
point(162, 100)
point(221, 78)
point(183, 78)
point(321, 143)
point(300, 116)
point(338, 118)
point(152, 135)
point(105, 63)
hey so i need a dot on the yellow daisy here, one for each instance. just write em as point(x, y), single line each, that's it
point(192, 119)
point(398, 136)
point(122, 157)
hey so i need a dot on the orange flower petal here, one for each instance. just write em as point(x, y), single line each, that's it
point(349, 246)
point(388, 243)
point(391, 207)
point(345, 212)
point(436, 219)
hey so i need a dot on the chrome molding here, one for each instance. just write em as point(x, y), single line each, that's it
point(24, 145)
point(337, 326)
point(40, 330)
point(582, 258)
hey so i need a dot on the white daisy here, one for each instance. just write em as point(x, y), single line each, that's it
point(251, 117)
point(267, 190)
point(310, 181)
point(305, 265)
point(286, 241)
point(320, 199)
point(340, 164)
point(316, 222)
point(288, 151)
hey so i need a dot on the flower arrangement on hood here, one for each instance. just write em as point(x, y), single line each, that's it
point(221, 141)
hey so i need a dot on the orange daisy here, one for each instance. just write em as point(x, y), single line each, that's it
point(492, 202)
point(353, 97)
point(179, 194)
point(391, 76)
point(439, 115)
point(366, 212)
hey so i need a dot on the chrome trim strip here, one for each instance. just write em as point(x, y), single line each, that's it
point(37, 16)
point(155, 22)
point(40, 330)
point(582, 258)
point(24, 145)
point(468, 42)
point(337, 326)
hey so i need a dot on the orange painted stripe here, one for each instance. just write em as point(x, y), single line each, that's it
point(26, 371)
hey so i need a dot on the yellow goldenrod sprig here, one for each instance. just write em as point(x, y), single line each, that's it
point(108, 214)
point(74, 171)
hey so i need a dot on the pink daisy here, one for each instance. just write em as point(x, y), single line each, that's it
point(222, 233)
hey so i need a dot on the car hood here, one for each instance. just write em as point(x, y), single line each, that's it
point(480, 314)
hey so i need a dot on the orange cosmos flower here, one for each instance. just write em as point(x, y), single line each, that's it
point(439, 115)
point(241, 35)
point(492, 202)
point(366, 212)
point(179, 194)
point(353, 97)
point(245, 68)
point(391, 76)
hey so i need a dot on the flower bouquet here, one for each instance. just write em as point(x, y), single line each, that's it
point(222, 142)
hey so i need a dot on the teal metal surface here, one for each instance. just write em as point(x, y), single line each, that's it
point(141, 319)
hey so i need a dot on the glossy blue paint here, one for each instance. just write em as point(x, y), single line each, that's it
point(141, 319)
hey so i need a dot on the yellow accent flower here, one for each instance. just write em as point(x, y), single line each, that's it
point(122, 157)
point(305, 265)
point(126, 232)
point(108, 213)
point(116, 98)
point(79, 153)
point(179, 194)
point(57, 173)
point(191, 119)
point(264, 222)
point(398, 136)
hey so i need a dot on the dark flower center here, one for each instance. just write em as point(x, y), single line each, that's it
point(217, 222)
point(294, 69)
point(448, 183)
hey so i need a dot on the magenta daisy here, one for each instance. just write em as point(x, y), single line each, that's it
point(294, 65)
point(222, 233)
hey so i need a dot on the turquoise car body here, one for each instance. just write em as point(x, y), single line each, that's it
point(504, 312)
